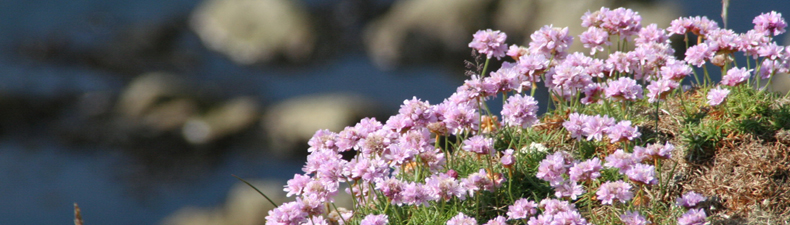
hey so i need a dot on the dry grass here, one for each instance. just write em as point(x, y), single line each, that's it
point(746, 175)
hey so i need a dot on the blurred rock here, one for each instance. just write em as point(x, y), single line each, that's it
point(291, 123)
point(251, 31)
point(229, 118)
point(147, 90)
point(244, 206)
point(451, 25)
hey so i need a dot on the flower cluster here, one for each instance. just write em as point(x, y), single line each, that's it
point(596, 127)
point(402, 162)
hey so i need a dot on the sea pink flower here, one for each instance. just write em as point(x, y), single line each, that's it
point(294, 186)
point(642, 173)
point(550, 40)
point(619, 159)
point(611, 191)
point(597, 126)
point(372, 219)
point(693, 217)
point(552, 168)
point(675, 70)
point(658, 89)
point(736, 76)
point(633, 218)
point(623, 131)
point(444, 187)
point(522, 209)
point(587, 170)
point(690, 199)
point(489, 42)
point(507, 158)
point(289, 213)
point(462, 219)
point(499, 220)
point(479, 144)
point(520, 111)
point(717, 96)
point(569, 189)
point(652, 34)
point(697, 54)
point(595, 39)
point(770, 23)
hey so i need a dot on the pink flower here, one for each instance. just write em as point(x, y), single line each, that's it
point(507, 159)
point(690, 199)
point(717, 96)
point(770, 23)
point(623, 131)
point(652, 34)
point(595, 39)
point(619, 159)
point(693, 217)
point(522, 209)
point(658, 89)
point(552, 168)
point(444, 187)
point(697, 54)
point(479, 144)
point(611, 191)
point(569, 189)
point(587, 170)
point(633, 218)
point(642, 173)
point(375, 220)
point(499, 220)
point(675, 70)
point(462, 219)
point(489, 42)
point(520, 111)
point(736, 76)
point(550, 41)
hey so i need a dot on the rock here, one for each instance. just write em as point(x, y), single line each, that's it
point(251, 31)
point(244, 206)
point(170, 115)
point(147, 90)
point(450, 24)
point(293, 122)
point(229, 118)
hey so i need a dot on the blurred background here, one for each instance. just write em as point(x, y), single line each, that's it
point(140, 111)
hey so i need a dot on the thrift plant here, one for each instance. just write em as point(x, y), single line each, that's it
point(592, 159)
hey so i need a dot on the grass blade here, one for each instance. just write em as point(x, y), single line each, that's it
point(256, 189)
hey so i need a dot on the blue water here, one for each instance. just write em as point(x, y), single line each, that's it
point(40, 178)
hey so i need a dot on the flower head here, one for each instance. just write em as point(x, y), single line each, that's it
point(489, 42)
point(520, 111)
point(550, 40)
point(588, 170)
point(611, 191)
point(690, 199)
point(770, 23)
point(479, 144)
point(624, 89)
point(522, 209)
point(717, 96)
point(633, 218)
point(462, 219)
point(375, 220)
point(693, 217)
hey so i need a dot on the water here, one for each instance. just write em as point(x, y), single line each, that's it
point(41, 177)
